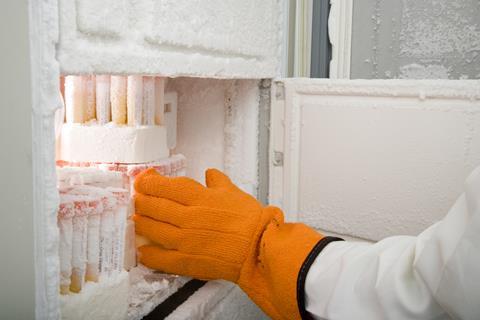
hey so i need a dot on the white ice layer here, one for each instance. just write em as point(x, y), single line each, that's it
point(110, 143)
point(100, 301)
point(80, 175)
point(215, 38)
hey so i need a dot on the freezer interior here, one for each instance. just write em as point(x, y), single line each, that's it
point(111, 128)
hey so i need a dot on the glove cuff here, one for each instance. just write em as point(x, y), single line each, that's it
point(302, 274)
point(284, 248)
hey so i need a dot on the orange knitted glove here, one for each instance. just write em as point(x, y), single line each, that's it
point(220, 232)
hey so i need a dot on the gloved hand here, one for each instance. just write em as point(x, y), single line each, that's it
point(220, 232)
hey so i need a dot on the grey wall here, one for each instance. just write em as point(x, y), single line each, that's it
point(17, 294)
point(416, 39)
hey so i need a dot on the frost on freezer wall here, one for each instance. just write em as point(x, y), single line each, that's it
point(218, 127)
point(241, 134)
point(200, 123)
point(46, 99)
point(171, 37)
point(416, 39)
point(442, 34)
point(418, 71)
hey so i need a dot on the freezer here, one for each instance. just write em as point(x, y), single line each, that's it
point(181, 86)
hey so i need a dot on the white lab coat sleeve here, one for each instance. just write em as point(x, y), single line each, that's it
point(435, 275)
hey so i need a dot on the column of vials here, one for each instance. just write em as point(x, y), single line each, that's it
point(133, 100)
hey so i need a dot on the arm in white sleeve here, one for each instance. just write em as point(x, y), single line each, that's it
point(435, 275)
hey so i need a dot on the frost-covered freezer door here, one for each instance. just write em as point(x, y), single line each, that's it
point(372, 158)
point(218, 38)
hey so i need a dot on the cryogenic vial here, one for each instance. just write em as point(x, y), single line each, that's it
point(75, 99)
point(103, 99)
point(90, 112)
point(149, 101)
point(120, 220)
point(130, 256)
point(118, 99)
point(134, 100)
point(93, 240)
point(66, 212)
point(79, 239)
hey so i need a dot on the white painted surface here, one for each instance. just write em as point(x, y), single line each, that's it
point(303, 38)
point(170, 37)
point(376, 158)
point(17, 277)
point(340, 33)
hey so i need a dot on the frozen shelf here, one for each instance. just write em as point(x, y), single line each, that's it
point(148, 289)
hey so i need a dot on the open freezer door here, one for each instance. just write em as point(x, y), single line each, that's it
point(371, 158)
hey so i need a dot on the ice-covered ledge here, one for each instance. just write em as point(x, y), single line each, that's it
point(214, 300)
point(218, 300)
point(148, 289)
